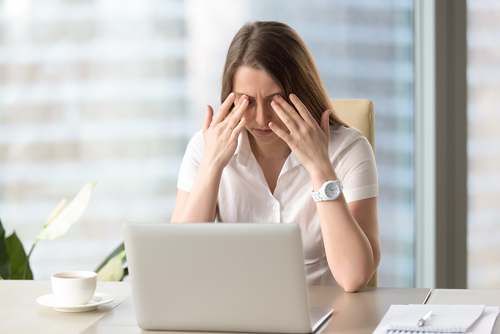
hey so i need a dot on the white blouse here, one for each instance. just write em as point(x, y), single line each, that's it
point(244, 195)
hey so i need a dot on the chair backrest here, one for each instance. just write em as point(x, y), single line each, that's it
point(359, 114)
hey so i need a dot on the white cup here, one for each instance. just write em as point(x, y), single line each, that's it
point(74, 287)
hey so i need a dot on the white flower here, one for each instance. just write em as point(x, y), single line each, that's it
point(62, 217)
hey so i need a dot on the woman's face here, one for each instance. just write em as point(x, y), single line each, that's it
point(260, 89)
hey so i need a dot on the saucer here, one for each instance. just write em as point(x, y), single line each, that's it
point(92, 304)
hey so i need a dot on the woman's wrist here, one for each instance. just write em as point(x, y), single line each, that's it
point(321, 174)
point(210, 170)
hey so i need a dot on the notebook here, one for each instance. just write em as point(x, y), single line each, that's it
point(240, 277)
point(473, 319)
point(444, 318)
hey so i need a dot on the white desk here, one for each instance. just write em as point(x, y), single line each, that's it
point(19, 313)
point(355, 313)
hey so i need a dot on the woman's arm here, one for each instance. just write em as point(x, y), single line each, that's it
point(220, 137)
point(350, 231)
point(351, 239)
point(200, 204)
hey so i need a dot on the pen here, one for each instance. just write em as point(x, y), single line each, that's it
point(421, 322)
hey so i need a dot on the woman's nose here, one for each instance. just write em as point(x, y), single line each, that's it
point(263, 113)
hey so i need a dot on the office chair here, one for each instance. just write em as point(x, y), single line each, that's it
point(358, 113)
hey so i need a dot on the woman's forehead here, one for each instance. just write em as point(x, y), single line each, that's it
point(254, 83)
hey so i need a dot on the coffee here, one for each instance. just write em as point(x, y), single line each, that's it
point(73, 277)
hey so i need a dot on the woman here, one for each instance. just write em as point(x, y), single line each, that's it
point(273, 148)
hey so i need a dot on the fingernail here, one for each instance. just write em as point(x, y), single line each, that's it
point(230, 95)
point(273, 104)
point(292, 96)
point(277, 97)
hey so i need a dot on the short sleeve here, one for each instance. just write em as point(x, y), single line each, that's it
point(357, 169)
point(191, 162)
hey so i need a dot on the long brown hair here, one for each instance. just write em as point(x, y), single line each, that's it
point(278, 50)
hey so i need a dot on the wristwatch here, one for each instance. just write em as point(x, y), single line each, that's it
point(329, 191)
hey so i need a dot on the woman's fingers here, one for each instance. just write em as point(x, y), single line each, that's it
point(208, 118)
point(224, 108)
point(306, 115)
point(302, 115)
point(237, 130)
point(234, 118)
point(280, 133)
point(286, 116)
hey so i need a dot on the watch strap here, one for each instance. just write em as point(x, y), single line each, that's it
point(317, 197)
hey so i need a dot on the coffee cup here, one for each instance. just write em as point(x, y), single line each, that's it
point(74, 287)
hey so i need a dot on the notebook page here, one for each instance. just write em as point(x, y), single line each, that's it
point(484, 324)
point(444, 318)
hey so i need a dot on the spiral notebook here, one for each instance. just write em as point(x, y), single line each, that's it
point(444, 319)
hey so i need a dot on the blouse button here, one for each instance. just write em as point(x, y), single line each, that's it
point(275, 207)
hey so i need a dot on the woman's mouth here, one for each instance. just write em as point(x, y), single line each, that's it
point(263, 132)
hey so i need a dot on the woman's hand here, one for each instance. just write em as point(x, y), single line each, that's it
point(220, 134)
point(307, 140)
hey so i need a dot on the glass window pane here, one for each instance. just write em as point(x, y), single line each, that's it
point(483, 143)
point(91, 91)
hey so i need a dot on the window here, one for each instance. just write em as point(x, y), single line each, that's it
point(92, 91)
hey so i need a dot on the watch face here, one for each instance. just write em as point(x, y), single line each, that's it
point(332, 190)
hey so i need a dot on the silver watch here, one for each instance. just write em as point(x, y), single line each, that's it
point(329, 191)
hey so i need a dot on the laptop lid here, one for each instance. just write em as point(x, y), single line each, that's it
point(242, 277)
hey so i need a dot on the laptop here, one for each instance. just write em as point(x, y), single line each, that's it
point(231, 277)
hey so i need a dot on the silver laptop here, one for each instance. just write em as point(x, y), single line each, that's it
point(240, 277)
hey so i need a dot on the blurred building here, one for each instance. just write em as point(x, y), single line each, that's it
point(112, 91)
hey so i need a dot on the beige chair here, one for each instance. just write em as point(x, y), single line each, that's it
point(358, 113)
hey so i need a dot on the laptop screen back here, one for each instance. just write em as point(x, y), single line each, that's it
point(218, 277)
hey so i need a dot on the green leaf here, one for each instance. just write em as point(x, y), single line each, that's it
point(125, 272)
point(17, 257)
point(113, 270)
point(117, 251)
point(4, 259)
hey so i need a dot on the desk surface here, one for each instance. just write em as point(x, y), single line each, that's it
point(353, 312)
point(19, 313)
